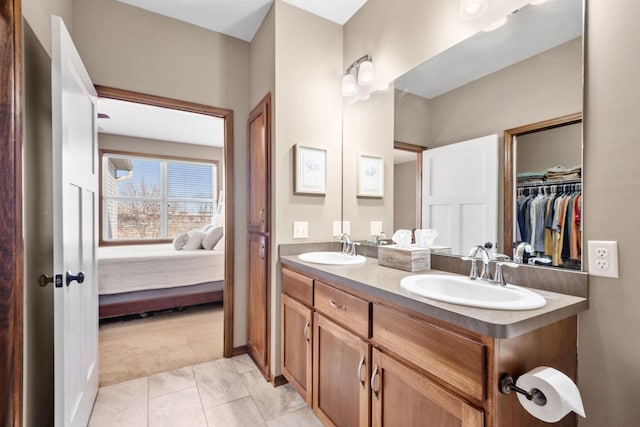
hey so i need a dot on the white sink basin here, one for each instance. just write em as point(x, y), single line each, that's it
point(332, 258)
point(474, 293)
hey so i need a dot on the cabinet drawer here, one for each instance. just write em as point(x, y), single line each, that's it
point(350, 311)
point(456, 360)
point(297, 286)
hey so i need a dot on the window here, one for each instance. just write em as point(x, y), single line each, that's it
point(145, 198)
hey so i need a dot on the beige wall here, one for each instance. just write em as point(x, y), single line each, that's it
point(38, 14)
point(38, 234)
point(608, 345)
point(608, 351)
point(132, 144)
point(308, 111)
point(263, 61)
point(129, 48)
point(404, 197)
point(411, 122)
point(539, 151)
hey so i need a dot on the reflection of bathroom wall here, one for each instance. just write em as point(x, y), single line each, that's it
point(539, 151)
point(404, 196)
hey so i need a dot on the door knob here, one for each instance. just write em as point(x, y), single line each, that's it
point(70, 277)
point(44, 280)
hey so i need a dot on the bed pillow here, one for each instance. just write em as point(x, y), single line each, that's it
point(195, 239)
point(220, 245)
point(180, 240)
point(212, 236)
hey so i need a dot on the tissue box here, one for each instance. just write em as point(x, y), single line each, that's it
point(408, 259)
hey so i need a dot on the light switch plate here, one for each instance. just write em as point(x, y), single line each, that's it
point(376, 228)
point(603, 258)
point(300, 229)
point(341, 227)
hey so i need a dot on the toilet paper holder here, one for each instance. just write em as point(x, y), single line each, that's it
point(507, 385)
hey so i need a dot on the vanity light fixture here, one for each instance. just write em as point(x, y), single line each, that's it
point(472, 9)
point(363, 68)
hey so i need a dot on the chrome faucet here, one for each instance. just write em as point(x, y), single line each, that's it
point(499, 279)
point(346, 242)
point(522, 247)
point(380, 237)
point(484, 275)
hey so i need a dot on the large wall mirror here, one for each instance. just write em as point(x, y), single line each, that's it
point(528, 71)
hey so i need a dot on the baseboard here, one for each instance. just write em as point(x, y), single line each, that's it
point(237, 351)
point(279, 380)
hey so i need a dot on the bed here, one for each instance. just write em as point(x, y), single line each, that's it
point(141, 278)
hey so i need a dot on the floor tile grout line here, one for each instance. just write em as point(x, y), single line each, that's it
point(204, 412)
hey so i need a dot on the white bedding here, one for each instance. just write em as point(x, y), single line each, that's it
point(141, 267)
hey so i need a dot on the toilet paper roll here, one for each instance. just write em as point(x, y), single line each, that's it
point(562, 394)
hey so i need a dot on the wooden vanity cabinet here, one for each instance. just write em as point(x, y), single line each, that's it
point(378, 364)
point(296, 324)
point(341, 389)
point(403, 397)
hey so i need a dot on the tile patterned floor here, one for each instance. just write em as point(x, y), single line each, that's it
point(221, 393)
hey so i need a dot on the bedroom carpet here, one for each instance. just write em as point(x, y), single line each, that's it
point(162, 342)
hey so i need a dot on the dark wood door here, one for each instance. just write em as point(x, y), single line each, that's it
point(259, 166)
point(402, 397)
point(295, 345)
point(258, 302)
point(341, 392)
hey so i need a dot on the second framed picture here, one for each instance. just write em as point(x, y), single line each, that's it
point(310, 170)
point(370, 176)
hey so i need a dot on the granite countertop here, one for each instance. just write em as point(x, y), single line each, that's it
point(384, 283)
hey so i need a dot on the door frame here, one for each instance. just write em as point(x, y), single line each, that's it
point(11, 240)
point(227, 116)
point(418, 150)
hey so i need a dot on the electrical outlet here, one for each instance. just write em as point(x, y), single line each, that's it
point(376, 228)
point(603, 258)
point(300, 229)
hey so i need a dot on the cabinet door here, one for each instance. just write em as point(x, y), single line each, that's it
point(257, 338)
point(402, 397)
point(295, 345)
point(259, 159)
point(341, 392)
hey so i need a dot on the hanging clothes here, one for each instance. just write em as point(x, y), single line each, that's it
point(549, 219)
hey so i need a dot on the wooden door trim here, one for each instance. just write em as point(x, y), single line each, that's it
point(418, 149)
point(227, 115)
point(11, 242)
point(509, 169)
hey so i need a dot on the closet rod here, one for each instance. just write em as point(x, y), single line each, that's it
point(548, 183)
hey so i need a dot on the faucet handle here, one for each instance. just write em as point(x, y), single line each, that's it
point(473, 275)
point(500, 275)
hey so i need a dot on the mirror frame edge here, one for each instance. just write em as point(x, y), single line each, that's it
point(509, 170)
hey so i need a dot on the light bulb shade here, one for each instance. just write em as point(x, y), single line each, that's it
point(472, 9)
point(366, 75)
point(349, 85)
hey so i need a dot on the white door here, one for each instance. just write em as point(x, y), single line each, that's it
point(75, 186)
point(460, 193)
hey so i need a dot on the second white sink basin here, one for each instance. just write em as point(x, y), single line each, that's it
point(474, 293)
point(332, 258)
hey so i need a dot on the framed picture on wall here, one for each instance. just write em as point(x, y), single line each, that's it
point(370, 176)
point(310, 170)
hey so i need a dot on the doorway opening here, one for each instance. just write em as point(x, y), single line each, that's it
point(166, 234)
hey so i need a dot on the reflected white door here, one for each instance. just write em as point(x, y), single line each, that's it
point(460, 193)
point(75, 185)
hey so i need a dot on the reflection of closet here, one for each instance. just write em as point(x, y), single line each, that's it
point(259, 228)
point(549, 218)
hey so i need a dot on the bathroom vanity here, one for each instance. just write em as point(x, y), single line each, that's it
point(363, 351)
